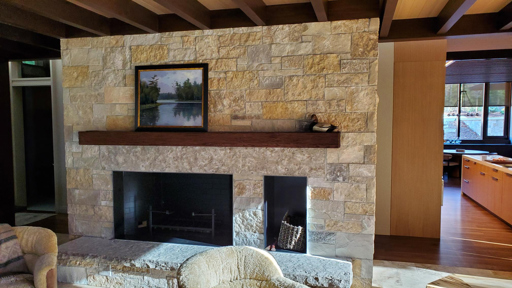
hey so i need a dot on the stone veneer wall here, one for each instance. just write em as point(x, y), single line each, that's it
point(260, 79)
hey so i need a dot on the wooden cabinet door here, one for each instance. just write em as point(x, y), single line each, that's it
point(506, 198)
point(482, 186)
point(495, 190)
point(468, 180)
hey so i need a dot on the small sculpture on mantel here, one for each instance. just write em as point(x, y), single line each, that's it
point(315, 126)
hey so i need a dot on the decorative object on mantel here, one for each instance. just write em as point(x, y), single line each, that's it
point(315, 126)
point(171, 97)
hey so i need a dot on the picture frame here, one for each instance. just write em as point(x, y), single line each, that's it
point(171, 97)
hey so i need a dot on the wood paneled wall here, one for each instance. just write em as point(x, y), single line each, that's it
point(418, 101)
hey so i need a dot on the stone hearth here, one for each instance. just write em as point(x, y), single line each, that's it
point(260, 79)
point(124, 263)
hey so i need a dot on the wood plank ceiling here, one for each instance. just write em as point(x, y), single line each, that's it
point(40, 23)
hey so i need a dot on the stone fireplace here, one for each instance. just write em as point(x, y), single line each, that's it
point(260, 79)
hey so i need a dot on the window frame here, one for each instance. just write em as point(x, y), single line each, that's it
point(485, 138)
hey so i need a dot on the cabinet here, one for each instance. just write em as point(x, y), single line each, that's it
point(506, 198)
point(489, 186)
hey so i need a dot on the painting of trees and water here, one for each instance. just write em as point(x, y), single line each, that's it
point(171, 98)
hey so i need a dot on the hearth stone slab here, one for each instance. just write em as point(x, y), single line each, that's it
point(124, 263)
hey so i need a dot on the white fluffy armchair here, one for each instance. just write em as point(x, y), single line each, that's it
point(233, 267)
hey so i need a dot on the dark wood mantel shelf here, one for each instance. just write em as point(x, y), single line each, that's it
point(212, 139)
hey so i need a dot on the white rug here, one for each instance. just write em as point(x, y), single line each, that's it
point(25, 218)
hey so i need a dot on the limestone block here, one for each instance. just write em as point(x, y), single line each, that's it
point(95, 57)
point(251, 38)
point(349, 192)
point(186, 54)
point(316, 64)
point(350, 154)
point(248, 203)
point(346, 122)
point(367, 221)
point(365, 45)
point(284, 72)
point(292, 62)
point(115, 58)
point(247, 29)
point(374, 72)
point(326, 106)
point(343, 226)
point(350, 26)
point(188, 41)
point(265, 95)
point(108, 77)
point(223, 31)
point(109, 41)
point(248, 221)
point(259, 54)
point(292, 49)
point(233, 52)
point(351, 139)
point(283, 33)
point(370, 154)
point(248, 188)
point(230, 39)
point(75, 76)
point(207, 47)
point(79, 178)
point(354, 245)
point(120, 123)
point(322, 237)
point(119, 95)
point(275, 82)
point(222, 65)
point(104, 213)
point(79, 56)
point(337, 172)
point(336, 80)
point(361, 99)
point(319, 193)
point(322, 249)
point(316, 28)
point(174, 42)
point(327, 206)
point(227, 101)
point(149, 54)
point(83, 197)
point(219, 119)
point(241, 123)
point(78, 114)
point(241, 80)
point(76, 43)
point(304, 87)
point(335, 93)
point(336, 44)
point(143, 39)
point(354, 66)
point(359, 208)
point(102, 182)
point(85, 95)
point(284, 110)
point(362, 170)
point(216, 83)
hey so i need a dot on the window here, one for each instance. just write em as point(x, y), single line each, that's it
point(476, 111)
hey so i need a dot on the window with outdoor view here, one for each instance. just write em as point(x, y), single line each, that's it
point(476, 111)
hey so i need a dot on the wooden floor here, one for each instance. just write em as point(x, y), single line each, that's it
point(470, 237)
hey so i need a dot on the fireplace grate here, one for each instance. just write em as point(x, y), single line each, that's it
point(198, 223)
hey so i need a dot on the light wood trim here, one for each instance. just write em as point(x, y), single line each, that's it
point(418, 100)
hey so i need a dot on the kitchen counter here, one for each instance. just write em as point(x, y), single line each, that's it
point(488, 184)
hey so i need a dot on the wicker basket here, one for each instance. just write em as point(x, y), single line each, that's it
point(291, 237)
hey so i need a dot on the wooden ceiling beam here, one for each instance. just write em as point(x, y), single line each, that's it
point(352, 9)
point(320, 7)
point(254, 9)
point(190, 10)
point(67, 13)
point(124, 10)
point(426, 28)
point(24, 36)
point(451, 13)
point(27, 51)
point(29, 21)
point(505, 17)
point(388, 12)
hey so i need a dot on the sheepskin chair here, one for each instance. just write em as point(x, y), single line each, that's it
point(39, 247)
point(233, 267)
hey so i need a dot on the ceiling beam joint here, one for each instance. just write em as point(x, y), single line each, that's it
point(320, 7)
point(451, 13)
point(388, 12)
point(190, 10)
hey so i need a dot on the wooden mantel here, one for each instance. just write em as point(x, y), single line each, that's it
point(212, 139)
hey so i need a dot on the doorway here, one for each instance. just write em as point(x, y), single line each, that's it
point(38, 134)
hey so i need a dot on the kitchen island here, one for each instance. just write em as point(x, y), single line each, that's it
point(488, 184)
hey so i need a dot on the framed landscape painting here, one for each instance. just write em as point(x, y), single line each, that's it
point(171, 97)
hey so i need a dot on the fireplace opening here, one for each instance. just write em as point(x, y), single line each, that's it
point(174, 207)
point(285, 200)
